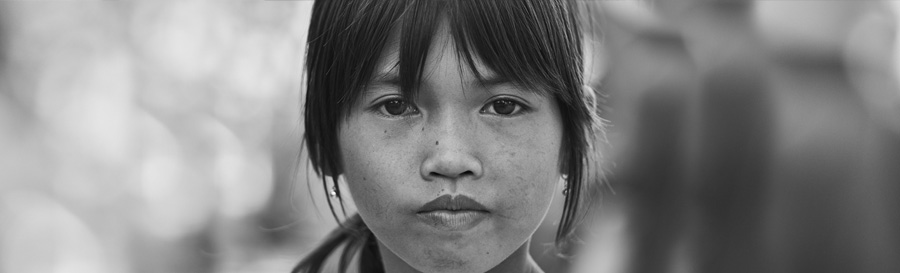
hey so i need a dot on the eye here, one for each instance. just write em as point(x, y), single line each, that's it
point(503, 107)
point(396, 107)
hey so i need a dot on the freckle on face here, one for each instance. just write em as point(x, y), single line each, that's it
point(518, 157)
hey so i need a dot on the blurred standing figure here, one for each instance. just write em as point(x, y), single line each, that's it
point(754, 136)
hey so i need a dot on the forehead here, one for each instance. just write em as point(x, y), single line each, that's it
point(442, 51)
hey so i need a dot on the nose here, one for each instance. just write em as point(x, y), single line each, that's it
point(453, 153)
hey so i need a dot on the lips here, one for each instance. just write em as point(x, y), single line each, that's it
point(453, 214)
point(449, 203)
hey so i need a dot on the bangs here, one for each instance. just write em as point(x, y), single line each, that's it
point(533, 44)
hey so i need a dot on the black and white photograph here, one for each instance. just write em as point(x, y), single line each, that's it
point(449, 136)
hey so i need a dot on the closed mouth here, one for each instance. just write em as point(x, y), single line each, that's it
point(450, 203)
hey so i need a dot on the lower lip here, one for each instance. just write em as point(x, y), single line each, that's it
point(453, 220)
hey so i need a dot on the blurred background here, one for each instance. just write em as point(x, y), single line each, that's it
point(163, 136)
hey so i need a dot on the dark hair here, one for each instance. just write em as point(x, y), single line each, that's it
point(536, 44)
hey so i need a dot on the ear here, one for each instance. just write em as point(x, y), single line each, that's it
point(590, 95)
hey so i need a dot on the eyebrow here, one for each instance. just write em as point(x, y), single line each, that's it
point(494, 80)
point(392, 78)
point(387, 77)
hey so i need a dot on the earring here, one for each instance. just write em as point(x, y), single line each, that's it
point(334, 192)
point(566, 185)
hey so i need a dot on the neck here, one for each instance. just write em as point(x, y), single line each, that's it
point(519, 261)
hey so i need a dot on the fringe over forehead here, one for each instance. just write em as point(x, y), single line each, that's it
point(532, 43)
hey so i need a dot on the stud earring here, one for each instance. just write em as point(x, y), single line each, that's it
point(334, 192)
point(566, 190)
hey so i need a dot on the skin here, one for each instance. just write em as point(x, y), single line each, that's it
point(452, 140)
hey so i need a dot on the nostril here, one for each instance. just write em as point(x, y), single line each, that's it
point(451, 175)
point(450, 164)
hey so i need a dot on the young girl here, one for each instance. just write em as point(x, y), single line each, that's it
point(454, 125)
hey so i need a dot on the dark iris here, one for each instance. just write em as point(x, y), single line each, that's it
point(504, 107)
point(395, 107)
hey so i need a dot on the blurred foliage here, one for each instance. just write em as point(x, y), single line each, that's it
point(145, 136)
point(748, 136)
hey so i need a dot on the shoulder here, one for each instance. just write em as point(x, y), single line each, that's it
point(343, 244)
point(333, 261)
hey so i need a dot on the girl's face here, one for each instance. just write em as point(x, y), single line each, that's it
point(459, 179)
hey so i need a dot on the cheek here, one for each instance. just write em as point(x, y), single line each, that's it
point(527, 171)
point(373, 169)
point(533, 179)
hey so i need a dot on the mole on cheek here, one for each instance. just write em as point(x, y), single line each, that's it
point(437, 142)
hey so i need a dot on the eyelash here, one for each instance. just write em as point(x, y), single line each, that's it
point(410, 109)
point(518, 107)
point(381, 108)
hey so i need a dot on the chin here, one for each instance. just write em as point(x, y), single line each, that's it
point(440, 267)
point(434, 262)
